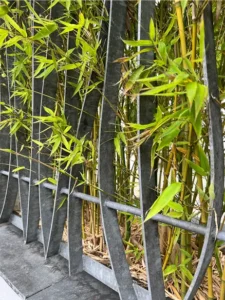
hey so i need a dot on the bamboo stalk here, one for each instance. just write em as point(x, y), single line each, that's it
point(222, 291)
point(188, 130)
point(210, 282)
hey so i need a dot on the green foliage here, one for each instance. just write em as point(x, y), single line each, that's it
point(164, 199)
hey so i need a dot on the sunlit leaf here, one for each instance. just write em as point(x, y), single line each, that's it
point(167, 195)
point(152, 33)
point(18, 169)
point(191, 89)
point(196, 168)
point(169, 270)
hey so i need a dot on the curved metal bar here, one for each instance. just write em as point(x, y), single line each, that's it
point(11, 188)
point(147, 177)
point(47, 98)
point(115, 49)
point(23, 187)
point(59, 214)
point(4, 135)
point(216, 154)
point(84, 128)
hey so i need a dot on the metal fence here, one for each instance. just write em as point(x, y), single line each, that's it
point(41, 202)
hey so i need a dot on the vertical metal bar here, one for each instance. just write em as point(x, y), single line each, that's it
point(216, 153)
point(84, 128)
point(115, 49)
point(33, 210)
point(146, 107)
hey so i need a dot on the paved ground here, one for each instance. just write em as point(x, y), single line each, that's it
point(24, 268)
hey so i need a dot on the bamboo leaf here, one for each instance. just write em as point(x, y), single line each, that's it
point(18, 169)
point(167, 196)
point(15, 25)
point(178, 80)
point(175, 214)
point(71, 66)
point(46, 72)
point(52, 180)
point(183, 5)
point(176, 206)
point(212, 195)
point(186, 272)
point(3, 10)
point(133, 78)
point(62, 202)
point(117, 145)
point(152, 33)
point(169, 270)
point(204, 162)
point(45, 31)
point(139, 43)
point(191, 89)
point(200, 98)
point(196, 168)
point(40, 181)
point(168, 138)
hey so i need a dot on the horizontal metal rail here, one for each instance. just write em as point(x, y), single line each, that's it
point(189, 226)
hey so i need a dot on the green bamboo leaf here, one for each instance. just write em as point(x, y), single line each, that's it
point(178, 80)
point(3, 35)
point(176, 206)
point(141, 126)
point(18, 169)
point(49, 111)
point(169, 270)
point(46, 72)
point(65, 142)
point(191, 89)
point(15, 26)
point(152, 79)
point(52, 180)
point(197, 124)
point(122, 137)
point(3, 10)
point(140, 43)
point(204, 162)
point(38, 143)
point(152, 33)
point(40, 181)
point(45, 31)
point(167, 196)
point(71, 66)
point(212, 195)
point(202, 194)
point(175, 214)
point(169, 137)
point(186, 272)
point(201, 95)
point(162, 51)
point(78, 87)
point(62, 202)
point(197, 168)
point(117, 145)
point(56, 146)
point(183, 5)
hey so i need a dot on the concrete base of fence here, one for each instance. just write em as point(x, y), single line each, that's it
point(30, 276)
